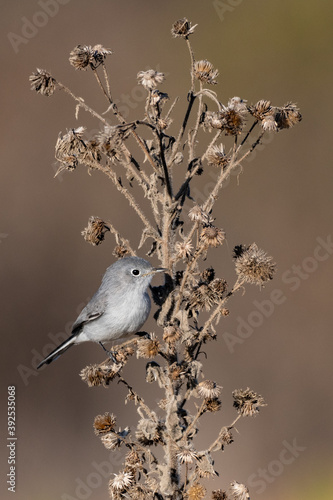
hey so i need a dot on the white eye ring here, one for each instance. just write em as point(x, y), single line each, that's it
point(135, 272)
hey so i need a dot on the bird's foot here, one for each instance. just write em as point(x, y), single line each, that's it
point(111, 354)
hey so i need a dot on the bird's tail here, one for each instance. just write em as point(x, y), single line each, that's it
point(58, 351)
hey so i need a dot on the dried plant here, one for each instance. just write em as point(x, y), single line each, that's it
point(180, 239)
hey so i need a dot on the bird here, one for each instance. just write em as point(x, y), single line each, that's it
point(118, 309)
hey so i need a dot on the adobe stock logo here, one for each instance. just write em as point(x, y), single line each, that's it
point(293, 278)
point(264, 476)
point(31, 27)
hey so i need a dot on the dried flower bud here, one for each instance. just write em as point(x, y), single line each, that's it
point(150, 79)
point(99, 54)
point(70, 149)
point(212, 236)
point(95, 375)
point(261, 109)
point(269, 124)
point(239, 491)
point(255, 266)
point(204, 72)
point(247, 402)
point(209, 389)
point(184, 250)
point(212, 119)
point(148, 348)
point(111, 441)
point(104, 423)
point(42, 82)
point(133, 460)
point(182, 28)
point(196, 492)
point(94, 233)
point(217, 157)
point(121, 481)
point(212, 405)
point(226, 436)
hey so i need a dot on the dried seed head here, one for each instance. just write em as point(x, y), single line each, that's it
point(120, 251)
point(150, 79)
point(269, 124)
point(238, 104)
point(213, 405)
point(209, 389)
point(183, 249)
point(110, 142)
point(121, 481)
point(171, 335)
point(42, 82)
point(255, 266)
point(148, 348)
point(212, 236)
point(247, 402)
point(287, 116)
point(83, 56)
point(204, 72)
point(70, 149)
point(111, 441)
point(212, 119)
point(232, 120)
point(95, 231)
point(261, 109)
point(196, 214)
point(95, 375)
point(80, 56)
point(196, 492)
point(182, 28)
point(99, 54)
point(226, 436)
point(239, 491)
point(148, 432)
point(218, 286)
point(219, 495)
point(123, 354)
point(201, 297)
point(104, 423)
point(187, 456)
point(217, 157)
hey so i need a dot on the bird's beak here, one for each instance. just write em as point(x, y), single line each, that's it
point(159, 270)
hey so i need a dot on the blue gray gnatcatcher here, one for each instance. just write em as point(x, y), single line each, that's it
point(119, 308)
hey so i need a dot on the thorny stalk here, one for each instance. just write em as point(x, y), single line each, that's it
point(181, 242)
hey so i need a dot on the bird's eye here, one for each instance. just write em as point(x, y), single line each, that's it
point(135, 272)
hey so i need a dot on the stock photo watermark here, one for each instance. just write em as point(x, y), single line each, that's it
point(293, 279)
point(259, 480)
point(30, 26)
point(225, 7)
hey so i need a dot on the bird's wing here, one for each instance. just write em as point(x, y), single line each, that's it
point(93, 310)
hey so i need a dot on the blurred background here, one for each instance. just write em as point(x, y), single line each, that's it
point(280, 51)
